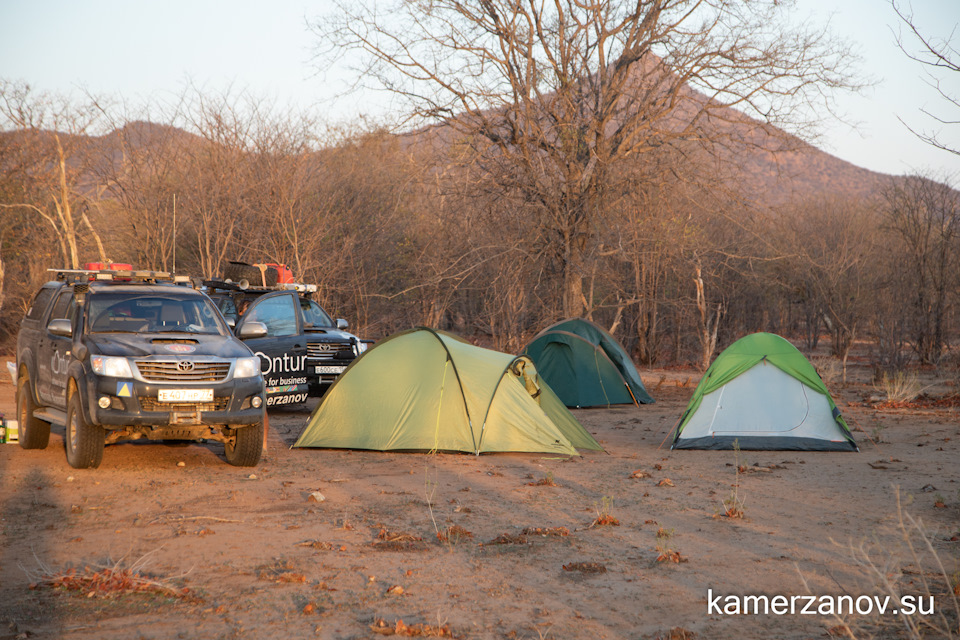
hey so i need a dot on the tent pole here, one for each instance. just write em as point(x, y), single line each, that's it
point(675, 425)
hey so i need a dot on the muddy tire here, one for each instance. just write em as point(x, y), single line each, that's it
point(84, 442)
point(246, 448)
point(34, 432)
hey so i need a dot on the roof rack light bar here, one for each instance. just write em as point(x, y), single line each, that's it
point(107, 275)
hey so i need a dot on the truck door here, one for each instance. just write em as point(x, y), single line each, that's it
point(283, 351)
point(54, 351)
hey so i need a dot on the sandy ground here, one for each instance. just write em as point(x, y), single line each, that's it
point(261, 559)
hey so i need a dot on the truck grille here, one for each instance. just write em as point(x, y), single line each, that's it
point(330, 351)
point(159, 371)
point(151, 404)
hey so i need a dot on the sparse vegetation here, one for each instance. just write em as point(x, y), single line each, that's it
point(545, 481)
point(604, 517)
point(454, 534)
point(664, 549)
point(108, 581)
point(733, 504)
point(899, 387)
point(829, 368)
point(915, 568)
point(399, 628)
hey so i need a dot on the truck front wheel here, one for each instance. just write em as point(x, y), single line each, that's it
point(34, 432)
point(84, 442)
point(246, 447)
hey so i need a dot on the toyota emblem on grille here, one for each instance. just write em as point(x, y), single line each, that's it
point(325, 346)
point(185, 365)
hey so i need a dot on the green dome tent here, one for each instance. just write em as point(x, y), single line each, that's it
point(429, 390)
point(586, 366)
point(762, 394)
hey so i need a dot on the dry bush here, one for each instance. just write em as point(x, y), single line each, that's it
point(901, 386)
point(914, 568)
point(829, 368)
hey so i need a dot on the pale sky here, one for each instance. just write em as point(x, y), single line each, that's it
point(148, 51)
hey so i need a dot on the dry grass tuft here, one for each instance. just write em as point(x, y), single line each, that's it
point(585, 567)
point(677, 633)
point(316, 544)
point(546, 532)
point(506, 538)
point(546, 481)
point(453, 534)
point(280, 572)
point(398, 541)
point(665, 552)
point(108, 581)
point(733, 504)
point(902, 386)
point(604, 518)
point(380, 627)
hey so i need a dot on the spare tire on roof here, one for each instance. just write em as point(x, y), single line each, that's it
point(237, 271)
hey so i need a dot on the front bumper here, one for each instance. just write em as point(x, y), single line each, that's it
point(135, 403)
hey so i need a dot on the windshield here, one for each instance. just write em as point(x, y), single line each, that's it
point(151, 313)
point(314, 315)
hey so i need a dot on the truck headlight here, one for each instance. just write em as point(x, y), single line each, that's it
point(247, 367)
point(111, 367)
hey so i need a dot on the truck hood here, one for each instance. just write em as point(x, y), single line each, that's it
point(139, 345)
point(317, 334)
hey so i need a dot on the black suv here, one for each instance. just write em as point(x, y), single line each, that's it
point(302, 353)
point(123, 355)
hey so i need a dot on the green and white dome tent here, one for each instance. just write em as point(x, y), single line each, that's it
point(762, 394)
point(427, 390)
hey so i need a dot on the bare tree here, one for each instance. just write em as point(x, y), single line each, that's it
point(925, 215)
point(828, 249)
point(941, 60)
point(51, 131)
point(561, 92)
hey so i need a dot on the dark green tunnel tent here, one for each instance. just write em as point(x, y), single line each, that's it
point(761, 393)
point(585, 366)
point(426, 390)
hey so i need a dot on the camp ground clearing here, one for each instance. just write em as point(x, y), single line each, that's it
point(320, 543)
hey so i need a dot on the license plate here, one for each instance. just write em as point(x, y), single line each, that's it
point(185, 395)
point(337, 369)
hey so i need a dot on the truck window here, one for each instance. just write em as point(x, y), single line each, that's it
point(63, 308)
point(116, 312)
point(40, 303)
point(278, 313)
point(314, 315)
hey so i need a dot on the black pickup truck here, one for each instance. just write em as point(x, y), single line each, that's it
point(304, 351)
point(122, 355)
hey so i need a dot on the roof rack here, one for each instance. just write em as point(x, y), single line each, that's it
point(228, 285)
point(118, 275)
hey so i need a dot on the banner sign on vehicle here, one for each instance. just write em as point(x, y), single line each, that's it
point(285, 377)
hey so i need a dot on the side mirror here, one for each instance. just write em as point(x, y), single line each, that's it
point(342, 324)
point(252, 330)
point(231, 323)
point(61, 327)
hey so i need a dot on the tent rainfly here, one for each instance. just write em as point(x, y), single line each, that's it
point(586, 366)
point(761, 393)
point(426, 390)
